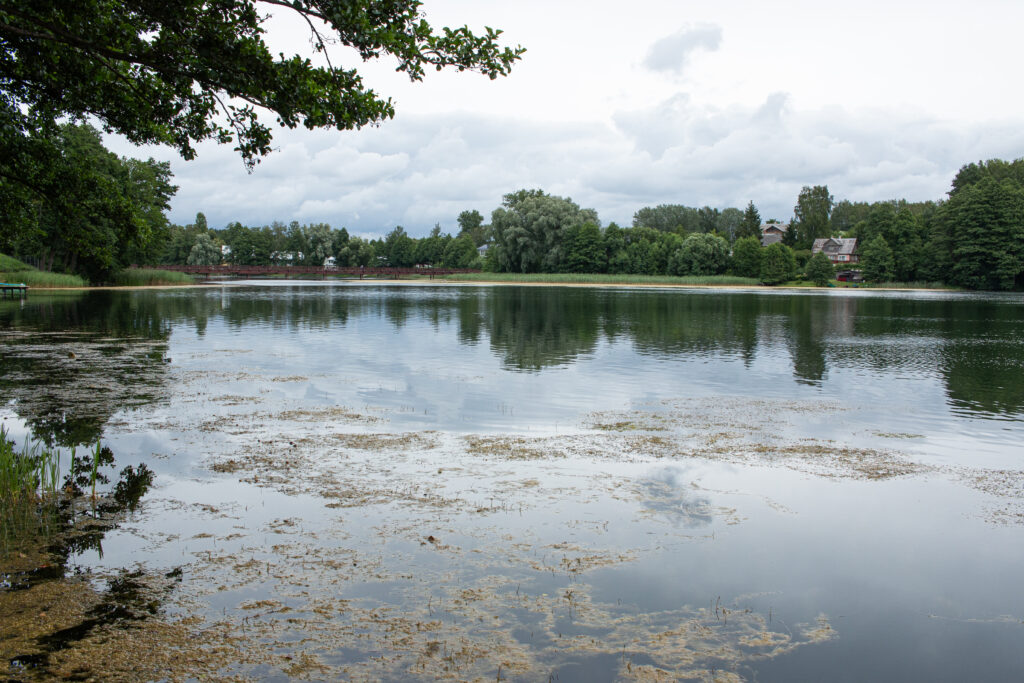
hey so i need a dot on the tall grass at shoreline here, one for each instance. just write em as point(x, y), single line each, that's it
point(907, 285)
point(604, 279)
point(41, 279)
point(17, 272)
point(142, 277)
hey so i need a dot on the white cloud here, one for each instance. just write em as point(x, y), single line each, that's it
point(672, 53)
point(673, 151)
point(792, 98)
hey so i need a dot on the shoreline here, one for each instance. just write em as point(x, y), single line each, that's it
point(502, 283)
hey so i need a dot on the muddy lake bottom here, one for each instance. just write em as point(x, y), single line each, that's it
point(380, 490)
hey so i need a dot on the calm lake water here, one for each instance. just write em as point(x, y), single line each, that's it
point(420, 482)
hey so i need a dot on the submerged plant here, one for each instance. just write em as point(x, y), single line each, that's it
point(35, 505)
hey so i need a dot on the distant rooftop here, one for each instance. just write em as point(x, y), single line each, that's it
point(773, 232)
point(835, 245)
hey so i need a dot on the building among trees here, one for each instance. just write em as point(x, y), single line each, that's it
point(773, 232)
point(837, 249)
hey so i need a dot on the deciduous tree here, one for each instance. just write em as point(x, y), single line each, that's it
point(529, 229)
point(700, 254)
point(472, 223)
point(583, 250)
point(185, 71)
point(820, 270)
point(877, 261)
point(746, 257)
point(777, 264)
point(668, 218)
point(108, 209)
point(460, 252)
point(205, 251)
point(181, 72)
point(984, 223)
point(811, 216)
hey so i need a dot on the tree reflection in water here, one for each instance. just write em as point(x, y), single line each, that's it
point(972, 343)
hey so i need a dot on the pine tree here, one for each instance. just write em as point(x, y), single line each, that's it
point(750, 226)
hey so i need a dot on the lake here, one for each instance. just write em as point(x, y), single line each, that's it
point(417, 482)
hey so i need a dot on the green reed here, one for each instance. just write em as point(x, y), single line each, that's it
point(41, 279)
point(141, 277)
point(31, 474)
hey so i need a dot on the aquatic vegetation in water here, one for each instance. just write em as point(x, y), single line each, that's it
point(1003, 485)
point(510, 448)
point(30, 475)
point(46, 607)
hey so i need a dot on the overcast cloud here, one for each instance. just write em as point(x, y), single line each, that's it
point(608, 110)
point(672, 53)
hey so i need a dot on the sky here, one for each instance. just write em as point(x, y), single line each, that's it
point(624, 105)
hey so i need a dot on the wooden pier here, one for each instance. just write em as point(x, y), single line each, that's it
point(10, 290)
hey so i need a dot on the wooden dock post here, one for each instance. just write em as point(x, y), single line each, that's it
point(8, 289)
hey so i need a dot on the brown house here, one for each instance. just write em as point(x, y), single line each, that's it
point(838, 249)
point(773, 232)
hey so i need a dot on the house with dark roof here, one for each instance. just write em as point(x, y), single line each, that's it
point(773, 232)
point(837, 249)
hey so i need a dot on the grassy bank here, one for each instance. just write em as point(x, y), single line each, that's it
point(602, 279)
point(9, 264)
point(42, 280)
point(14, 271)
point(142, 277)
point(17, 272)
point(907, 285)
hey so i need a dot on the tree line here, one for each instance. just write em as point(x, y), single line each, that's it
point(111, 212)
point(177, 74)
point(79, 208)
point(314, 244)
point(973, 239)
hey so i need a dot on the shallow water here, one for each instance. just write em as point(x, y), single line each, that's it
point(405, 482)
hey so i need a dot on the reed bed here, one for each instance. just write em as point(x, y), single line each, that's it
point(907, 285)
point(605, 279)
point(30, 475)
point(41, 279)
point(142, 277)
point(33, 476)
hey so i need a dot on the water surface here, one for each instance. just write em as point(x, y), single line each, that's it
point(408, 482)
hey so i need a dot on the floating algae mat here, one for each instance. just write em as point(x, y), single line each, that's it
point(358, 482)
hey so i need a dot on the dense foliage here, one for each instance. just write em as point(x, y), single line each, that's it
point(877, 260)
point(984, 226)
point(99, 212)
point(178, 73)
point(777, 264)
point(181, 72)
point(974, 240)
point(700, 254)
point(529, 228)
point(810, 217)
point(819, 269)
point(746, 257)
